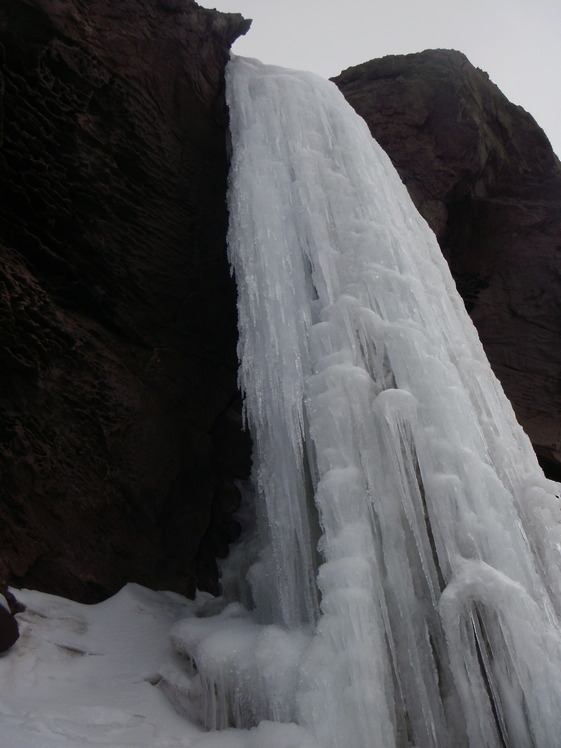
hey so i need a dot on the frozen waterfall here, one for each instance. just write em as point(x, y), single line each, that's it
point(400, 583)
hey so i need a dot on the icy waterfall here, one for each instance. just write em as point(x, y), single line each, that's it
point(401, 583)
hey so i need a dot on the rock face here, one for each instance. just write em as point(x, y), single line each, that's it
point(119, 411)
point(120, 431)
point(483, 175)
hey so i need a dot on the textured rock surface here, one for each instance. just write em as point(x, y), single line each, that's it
point(118, 407)
point(483, 174)
point(119, 415)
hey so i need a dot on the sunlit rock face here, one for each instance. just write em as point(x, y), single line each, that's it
point(484, 176)
point(118, 416)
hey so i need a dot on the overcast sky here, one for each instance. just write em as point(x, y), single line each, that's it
point(518, 42)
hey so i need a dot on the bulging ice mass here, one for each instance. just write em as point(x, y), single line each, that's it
point(399, 584)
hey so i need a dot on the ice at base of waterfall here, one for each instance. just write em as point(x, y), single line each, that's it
point(93, 675)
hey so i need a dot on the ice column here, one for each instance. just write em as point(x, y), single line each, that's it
point(407, 542)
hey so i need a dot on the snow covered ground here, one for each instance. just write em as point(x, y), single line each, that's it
point(107, 674)
point(87, 675)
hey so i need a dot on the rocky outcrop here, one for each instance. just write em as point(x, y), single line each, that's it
point(119, 409)
point(483, 175)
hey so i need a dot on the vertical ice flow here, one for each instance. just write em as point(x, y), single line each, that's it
point(407, 544)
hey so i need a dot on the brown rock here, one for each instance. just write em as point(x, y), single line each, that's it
point(9, 629)
point(484, 176)
point(117, 311)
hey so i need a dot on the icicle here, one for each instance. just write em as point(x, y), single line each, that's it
point(404, 566)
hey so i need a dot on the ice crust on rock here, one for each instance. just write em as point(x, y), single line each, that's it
point(403, 571)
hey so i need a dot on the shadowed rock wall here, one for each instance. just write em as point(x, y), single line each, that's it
point(118, 398)
point(484, 176)
point(119, 413)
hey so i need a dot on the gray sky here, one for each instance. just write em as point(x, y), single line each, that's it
point(518, 42)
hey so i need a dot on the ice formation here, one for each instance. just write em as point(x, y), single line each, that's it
point(403, 573)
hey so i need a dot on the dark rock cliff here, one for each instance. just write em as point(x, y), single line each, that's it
point(120, 430)
point(484, 176)
point(119, 426)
